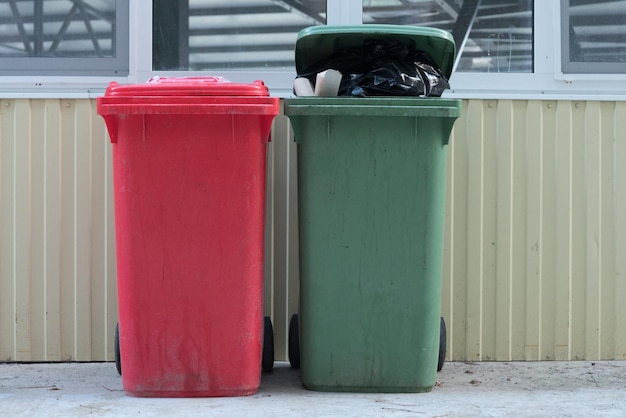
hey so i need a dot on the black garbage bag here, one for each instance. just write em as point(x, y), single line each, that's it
point(384, 68)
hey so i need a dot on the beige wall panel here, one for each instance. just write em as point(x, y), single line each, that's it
point(7, 235)
point(617, 235)
point(561, 231)
point(284, 251)
point(530, 280)
point(578, 256)
point(57, 281)
point(606, 257)
point(455, 288)
point(542, 271)
point(535, 232)
point(7, 158)
point(474, 246)
point(535, 203)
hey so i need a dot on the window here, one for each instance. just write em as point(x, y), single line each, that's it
point(223, 34)
point(491, 35)
point(64, 37)
point(593, 36)
point(530, 48)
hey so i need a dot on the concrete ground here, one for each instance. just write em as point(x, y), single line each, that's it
point(516, 389)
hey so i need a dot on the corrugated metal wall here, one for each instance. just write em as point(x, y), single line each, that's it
point(57, 273)
point(536, 229)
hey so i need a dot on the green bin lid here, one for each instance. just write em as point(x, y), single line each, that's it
point(317, 43)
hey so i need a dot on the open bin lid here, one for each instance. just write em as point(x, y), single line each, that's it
point(318, 43)
point(187, 86)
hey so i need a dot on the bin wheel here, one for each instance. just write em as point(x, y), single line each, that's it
point(442, 344)
point(268, 346)
point(294, 342)
point(118, 358)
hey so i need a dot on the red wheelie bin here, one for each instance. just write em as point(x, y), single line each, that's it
point(189, 162)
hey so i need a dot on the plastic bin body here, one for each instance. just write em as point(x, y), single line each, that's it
point(189, 191)
point(371, 187)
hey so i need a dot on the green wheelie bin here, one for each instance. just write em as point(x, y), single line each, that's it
point(371, 202)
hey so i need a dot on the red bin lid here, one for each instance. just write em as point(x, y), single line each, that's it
point(187, 86)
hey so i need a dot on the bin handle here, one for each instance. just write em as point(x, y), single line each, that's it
point(111, 123)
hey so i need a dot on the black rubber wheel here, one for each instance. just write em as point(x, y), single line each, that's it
point(294, 342)
point(118, 359)
point(268, 346)
point(442, 344)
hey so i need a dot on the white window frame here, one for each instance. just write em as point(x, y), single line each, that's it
point(585, 67)
point(77, 66)
point(546, 82)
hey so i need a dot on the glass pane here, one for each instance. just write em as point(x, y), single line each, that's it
point(227, 34)
point(595, 32)
point(491, 35)
point(57, 28)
